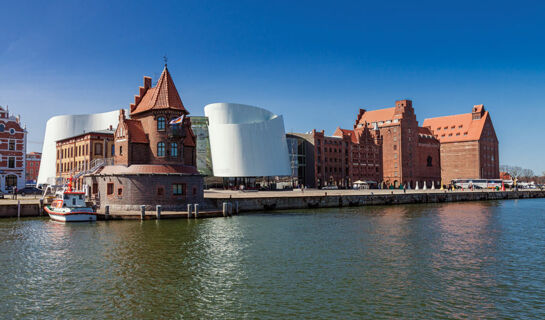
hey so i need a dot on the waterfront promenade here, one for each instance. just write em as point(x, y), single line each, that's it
point(248, 201)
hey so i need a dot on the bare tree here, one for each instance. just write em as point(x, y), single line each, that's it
point(527, 173)
point(514, 171)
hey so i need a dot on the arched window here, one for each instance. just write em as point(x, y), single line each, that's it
point(161, 123)
point(161, 149)
point(430, 164)
point(174, 149)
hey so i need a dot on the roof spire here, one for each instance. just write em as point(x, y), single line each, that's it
point(165, 59)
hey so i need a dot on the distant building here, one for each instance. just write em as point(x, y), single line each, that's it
point(76, 154)
point(154, 161)
point(340, 160)
point(469, 146)
point(12, 152)
point(410, 154)
point(32, 167)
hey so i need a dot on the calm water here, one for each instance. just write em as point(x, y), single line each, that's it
point(462, 260)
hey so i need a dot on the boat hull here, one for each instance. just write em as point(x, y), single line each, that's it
point(71, 216)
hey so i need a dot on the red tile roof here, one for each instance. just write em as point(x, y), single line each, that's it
point(457, 128)
point(149, 169)
point(163, 96)
point(378, 115)
point(346, 132)
point(136, 131)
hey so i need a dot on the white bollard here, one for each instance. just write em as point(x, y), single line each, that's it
point(158, 210)
point(225, 209)
point(142, 212)
point(18, 208)
point(196, 210)
point(189, 210)
point(416, 188)
point(425, 185)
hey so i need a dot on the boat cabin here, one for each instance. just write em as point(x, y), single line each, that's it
point(69, 199)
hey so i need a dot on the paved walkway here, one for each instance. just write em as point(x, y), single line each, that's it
point(221, 194)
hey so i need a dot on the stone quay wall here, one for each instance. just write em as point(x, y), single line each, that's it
point(249, 203)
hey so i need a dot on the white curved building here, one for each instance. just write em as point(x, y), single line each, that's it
point(246, 141)
point(65, 126)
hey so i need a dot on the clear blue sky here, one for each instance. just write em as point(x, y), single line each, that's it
point(314, 63)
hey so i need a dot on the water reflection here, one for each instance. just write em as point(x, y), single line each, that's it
point(472, 260)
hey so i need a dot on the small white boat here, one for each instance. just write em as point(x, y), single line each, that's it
point(69, 206)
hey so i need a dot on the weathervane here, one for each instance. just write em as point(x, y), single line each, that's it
point(165, 59)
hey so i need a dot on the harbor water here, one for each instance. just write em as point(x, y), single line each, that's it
point(452, 260)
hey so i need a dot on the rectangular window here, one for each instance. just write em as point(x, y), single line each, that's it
point(119, 191)
point(160, 191)
point(113, 150)
point(98, 149)
point(95, 188)
point(11, 145)
point(178, 189)
point(11, 162)
point(110, 189)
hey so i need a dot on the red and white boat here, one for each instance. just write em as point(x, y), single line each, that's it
point(70, 206)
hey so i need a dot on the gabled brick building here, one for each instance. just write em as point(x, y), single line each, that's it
point(12, 152)
point(469, 145)
point(410, 154)
point(154, 162)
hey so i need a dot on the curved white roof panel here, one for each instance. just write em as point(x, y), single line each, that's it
point(65, 126)
point(246, 141)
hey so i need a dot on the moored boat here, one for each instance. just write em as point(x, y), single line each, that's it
point(70, 206)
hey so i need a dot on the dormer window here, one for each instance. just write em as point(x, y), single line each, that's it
point(161, 123)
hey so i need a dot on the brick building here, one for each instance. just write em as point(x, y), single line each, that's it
point(469, 146)
point(154, 162)
point(76, 154)
point(339, 160)
point(12, 152)
point(410, 154)
point(33, 160)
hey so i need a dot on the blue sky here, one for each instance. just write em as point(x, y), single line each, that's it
point(315, 63)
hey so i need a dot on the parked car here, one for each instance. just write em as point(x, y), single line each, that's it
point(29, 190)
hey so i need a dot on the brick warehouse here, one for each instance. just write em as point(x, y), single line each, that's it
point(410, 154)
point(154, 162)
point(339, 160)
point(385, 146)
point(469, 145)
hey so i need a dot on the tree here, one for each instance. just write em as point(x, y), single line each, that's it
point(514, 171)
point(527, 173)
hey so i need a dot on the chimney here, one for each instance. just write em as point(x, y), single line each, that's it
point(147, 83)
point(478, 111)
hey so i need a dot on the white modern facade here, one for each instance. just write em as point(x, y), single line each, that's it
point(65, 126)
point(246, 141)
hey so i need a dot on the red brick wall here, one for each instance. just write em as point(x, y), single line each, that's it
point(459, 160)
point(139, 190)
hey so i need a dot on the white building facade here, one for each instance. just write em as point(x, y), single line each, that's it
point(13, 138)
point(246, 141)
point(62, 127)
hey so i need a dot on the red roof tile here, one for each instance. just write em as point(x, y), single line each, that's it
point(163, 96)
point(136, 131)
point(457, 128)
point(378, 115)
